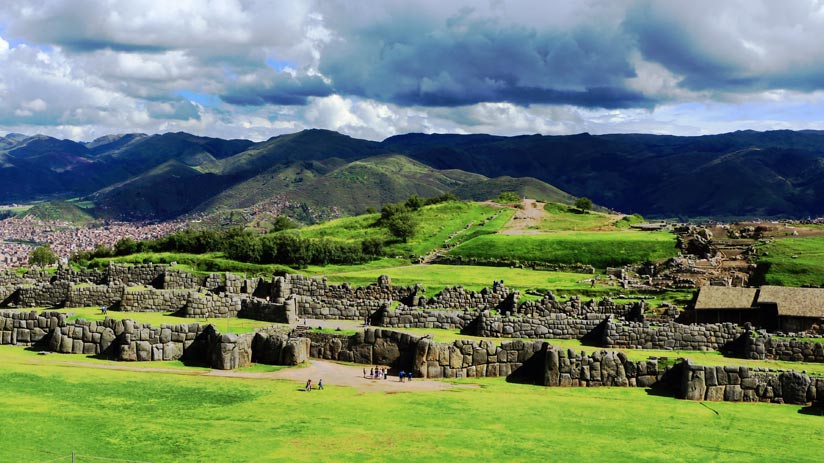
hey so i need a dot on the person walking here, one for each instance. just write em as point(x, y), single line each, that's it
point(308, 385)
point(320, 384)
point(401, 375)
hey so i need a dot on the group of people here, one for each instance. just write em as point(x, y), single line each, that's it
point(383, 373)
point(377, 373)
point(309, 385)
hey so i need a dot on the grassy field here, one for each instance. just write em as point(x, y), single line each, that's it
point(436, 277)
point(224, 325)
point(171, 416)
point(793, 261)
point(599, 249)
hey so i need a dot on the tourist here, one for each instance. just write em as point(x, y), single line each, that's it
point(308, 385)
point(401, 375)
point(320, 384)
point(364, 372)
point(409, 375)
point(104, 310)
point(372, 373)
point(385, 373)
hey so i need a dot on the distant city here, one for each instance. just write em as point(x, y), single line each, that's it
point(18, 237)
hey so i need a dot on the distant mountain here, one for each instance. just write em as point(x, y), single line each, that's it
point(740, 174)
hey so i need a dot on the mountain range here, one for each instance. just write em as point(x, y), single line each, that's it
point(138, 176)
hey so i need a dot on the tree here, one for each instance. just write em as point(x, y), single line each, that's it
point(282, 223)
point(42, 255)
point(583, 204)
point(402, 226)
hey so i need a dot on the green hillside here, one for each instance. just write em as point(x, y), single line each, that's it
point(792, 262)
point(435, 225)
point(58, 210)
point(525, 187)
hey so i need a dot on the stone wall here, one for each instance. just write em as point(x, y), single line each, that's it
point(406, 317)
point(671, 336)
point(127, 340)
point(556, 326)
point(789, 350)
point(456, 297)
point(562, 367)
point(136, 275)
point(424, 357)
point(260, 309)
point(272, 347)
point(209, 305)
point(178, 279)
point(577, 307)
point(332, 308)
point(742, 384)
point(94, 295)
point(154, 300)
point(43, 294)
point(301, 285)
point(466, 358)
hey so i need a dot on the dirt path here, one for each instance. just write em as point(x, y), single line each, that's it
point(529, 215)
point(332, 373)
point(346, 375)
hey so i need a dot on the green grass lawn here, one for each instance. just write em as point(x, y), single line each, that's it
point(50, 411)
point(436, 277)
point(599, 249)
point(224, 325)
point(806, 268)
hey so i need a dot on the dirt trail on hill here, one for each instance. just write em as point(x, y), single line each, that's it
point(529, 215)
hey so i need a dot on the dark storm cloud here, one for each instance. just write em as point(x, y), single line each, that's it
point(732, 47)
point(463, 60)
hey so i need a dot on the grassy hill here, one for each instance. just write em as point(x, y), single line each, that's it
point(525, 187)
point(436, 224)
point(58, 210)
point(792, 262)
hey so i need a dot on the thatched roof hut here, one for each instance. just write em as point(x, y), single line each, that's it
point(794, 302)
point(723, 297)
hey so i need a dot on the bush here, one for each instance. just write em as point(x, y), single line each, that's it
point(402, 226)
point(508, 197)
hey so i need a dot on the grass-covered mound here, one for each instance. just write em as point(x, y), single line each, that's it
point(51, 410)
point(599, 249)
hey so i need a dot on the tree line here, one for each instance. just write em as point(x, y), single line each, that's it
point(246, 246)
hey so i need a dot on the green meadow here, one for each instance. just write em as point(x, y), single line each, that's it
point(176, 415)
point(793, 261)
point(599, 249)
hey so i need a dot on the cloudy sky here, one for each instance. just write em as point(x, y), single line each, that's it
point(253, 68)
